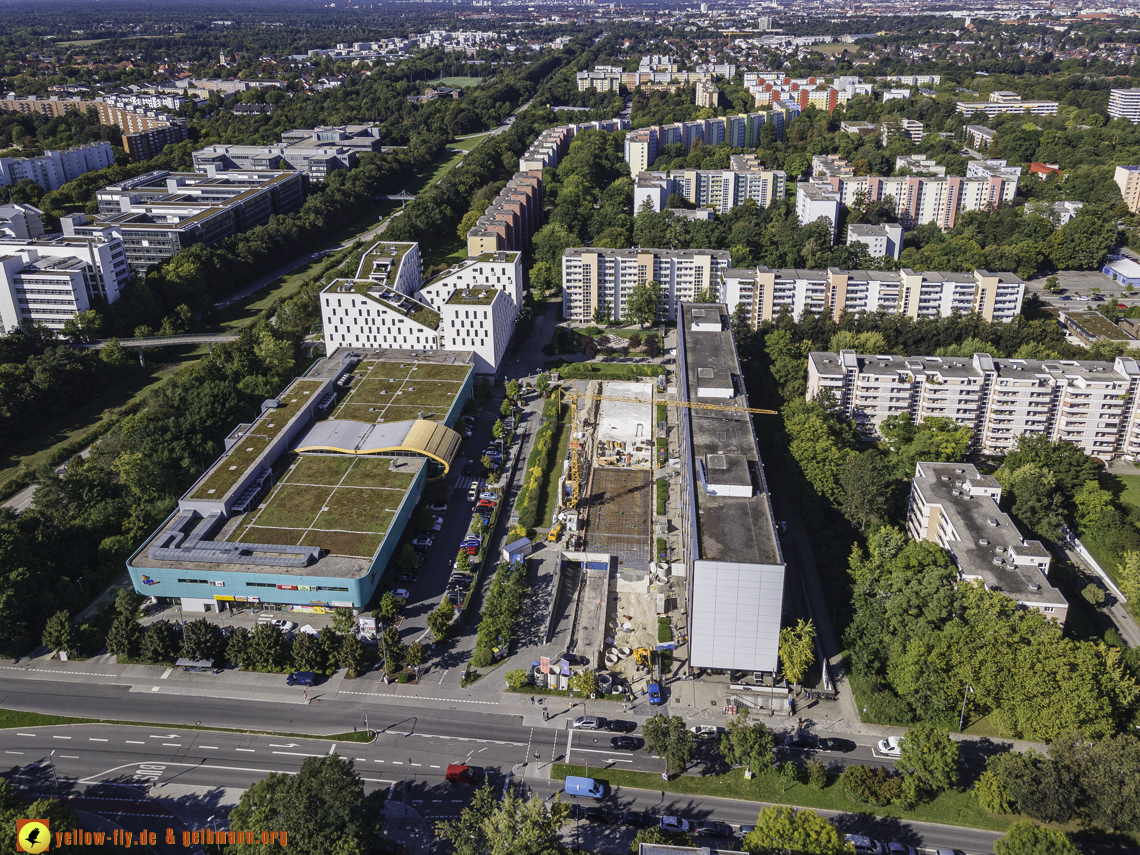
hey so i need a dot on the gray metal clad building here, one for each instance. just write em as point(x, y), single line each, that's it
point(734, 566)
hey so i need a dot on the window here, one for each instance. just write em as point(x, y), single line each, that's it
point(260, 585)
point(193, 581)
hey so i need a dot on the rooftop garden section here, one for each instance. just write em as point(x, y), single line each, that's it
point(409, 308)
point(473, 297)
point(230, 468)
point(389, 391)
point(494, 256)
point(372, 264)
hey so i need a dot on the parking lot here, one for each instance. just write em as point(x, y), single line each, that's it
point(1080, 290)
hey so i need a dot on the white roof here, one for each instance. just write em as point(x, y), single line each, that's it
point(1126, 267)
point(623, 421)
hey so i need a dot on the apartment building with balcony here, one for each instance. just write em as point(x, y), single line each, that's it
point(1124, 104)
point(1091, 404)
point(719, 189)
point(642, 146)
point(596, 278)
point(52, 169)
point(955, 506)
point(930, 294)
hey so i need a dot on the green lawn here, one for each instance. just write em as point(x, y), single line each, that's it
point(470, 142)
point(949, 808)
point(1129, 485)
point(461, 81)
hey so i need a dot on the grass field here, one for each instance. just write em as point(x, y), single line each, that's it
point(550, 497)
point(470, 142)
point(832, 49)
point(461, 81)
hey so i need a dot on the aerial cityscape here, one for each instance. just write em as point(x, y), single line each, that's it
point(524, 428)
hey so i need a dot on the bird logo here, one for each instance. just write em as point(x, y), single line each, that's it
point(32, 836)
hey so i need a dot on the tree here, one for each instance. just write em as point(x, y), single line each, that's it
point(387, 609)
point(353, 655)
point(463, 562)
point(124, 637)
point(59, 634)
point(308, 655)
point(866, 484)
point(408, 559)
point(670, 739)
point(323, 802)
point(654, 836)
point(787, 831)
point(930, 755)
point(127, 603)
point(392, 649)
point(512, 390)
point(744, 744)
point(415, 655)
point(439, 621)
point(517, 679)
point(1052, 284)
point(202, 641)
point(652, 346)
point(585, 682)
point(344, 621)
point(160, 643)
point(643, 300)
point(239, 648)
point(797, 650)
point(1029, 838)
point(269, 648)
point(511, 826)
point(497, 429)
point(276, 353)
point(542, 384)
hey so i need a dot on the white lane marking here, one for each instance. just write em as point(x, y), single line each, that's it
point(134, 742)
point(14, 752)
point(211, 747)
point(61, 737)
point(172, 744)
point(332, 750)
point(155, 688)
point(96, 777)
point(569, 746)
point(377, 761)
point(415, 764)
point(93, 739)
point(441, 676)
point(168, 736)
point(298, 754)
point(69, 756)
point(165, 674)
point(398, 762)
point(423, 698)
point(434, 766)
point(247, 750)
point(25, 734)
point(373, 780)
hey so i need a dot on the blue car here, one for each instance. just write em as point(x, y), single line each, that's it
point(654, 694)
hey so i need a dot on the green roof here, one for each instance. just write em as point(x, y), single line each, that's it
point(382, 251)
point(474, 297)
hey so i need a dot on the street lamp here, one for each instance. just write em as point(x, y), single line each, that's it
point(58, 790)
point(962, 718)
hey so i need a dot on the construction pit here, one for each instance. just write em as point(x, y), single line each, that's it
point(614, 437)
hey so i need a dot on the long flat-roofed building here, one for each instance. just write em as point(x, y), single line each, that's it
point(1093, 405)
point(951, 504)
point(304, 510)
point(733, 561)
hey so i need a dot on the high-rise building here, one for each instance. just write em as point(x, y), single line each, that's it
point(53, 169)
point(49, 281)
point(596, 278)
point(882, 240)
point(719, 189)
point(1093, 405)
point(1127, 178)
point(1124, 104)
point(815, 201)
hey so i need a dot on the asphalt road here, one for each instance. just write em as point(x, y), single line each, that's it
point(110, 770)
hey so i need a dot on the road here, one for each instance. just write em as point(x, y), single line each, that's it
point(23, 500)
point(131, 765)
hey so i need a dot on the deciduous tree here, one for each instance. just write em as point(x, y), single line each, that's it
point(747, 743)
point(508, 826)
point(1029, 838)
point(671, 740)
point(797, 650)
point(787, 831)
point(930, 755)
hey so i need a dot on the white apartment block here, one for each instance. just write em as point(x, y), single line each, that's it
point(642, 146)
point(719, 189)
point(882, 240)
point(471, 307)
point(955, 506)
point(1127, 178)
point(1124, 104)
point(598, 278)
point(21, 221)
point(980, 136)
point(765, 293)
point(53, 169)
point(908, 128)
point(50, 281)
point(1000, 102)
point(913, 79)
point(817, 200)
point(1090, 404)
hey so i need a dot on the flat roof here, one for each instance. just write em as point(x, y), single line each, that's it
point(738, 568)
point(624, 421)
point(989, 536)
point(391, 389)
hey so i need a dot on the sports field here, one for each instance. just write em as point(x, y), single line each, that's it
point(461, 81)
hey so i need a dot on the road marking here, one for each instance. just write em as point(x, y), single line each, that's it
point(25, 734)
point(398, 762)
point(134, 742)
point(569, 745)
point(210, 747)
point(93, 739)
point(165, 674)
point(434, 766)
point(61, 737)
point(361, 759)
point(414, 764)
point(69, 756)
point(168, 736)
point(14, 752)
point(441, 676)
point(332, 750)
point(172, 744)
point(248, 750)
point(93, 779)
point(154, 688)
point(422, 698)
point(298, 754)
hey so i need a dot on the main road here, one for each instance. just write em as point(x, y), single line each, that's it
point(123, 771)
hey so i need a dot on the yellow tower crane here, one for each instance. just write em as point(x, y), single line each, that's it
point(572, 394)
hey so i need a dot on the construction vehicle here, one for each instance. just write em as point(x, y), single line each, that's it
point(554, 533)
point(641, 656)
point(570, 393)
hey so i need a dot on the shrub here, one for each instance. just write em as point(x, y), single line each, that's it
point(878, 786)
point(404, 677)
point(664, 630)
point(662, 496)
point(539, 466)
point(816, 773)
point(992, 794)
point(517, 679)
point(1094, 593)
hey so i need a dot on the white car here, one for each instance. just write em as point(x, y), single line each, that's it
point(401, 594)
point(283, 625)
point(675, 823)
point(891, 746)
point(437, 508)
point(422, 541)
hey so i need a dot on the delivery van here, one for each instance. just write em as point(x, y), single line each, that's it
point(587, 787)
point(459, 773)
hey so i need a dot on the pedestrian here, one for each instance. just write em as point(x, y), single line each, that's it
point(625, 707)
point(305, 696)
point(536, 755)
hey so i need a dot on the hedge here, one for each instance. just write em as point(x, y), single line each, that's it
point(662, 496)
point(607, 370)
point(538, 465)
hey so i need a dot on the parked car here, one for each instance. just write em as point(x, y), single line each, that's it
point(637, 819)
point(803, 742)
point(456, 598)
point(891, 746)
point(301, 678)
point(711, 828)
point(586, 722)
point(598, 814)
point(407, 577)
point(674, 823)
point(401, 595)
point(745, 830)
point(469, 466)
point(487, 494)
point(833, 743)
point(705, 731)
point(437, 508)
point(865, 845)
point(283, 625)
point(616, 725)
point(949, 852)
point(655, 694)
point(575, 659)
point(625, 743)
point(423, 540)
point(896, 848)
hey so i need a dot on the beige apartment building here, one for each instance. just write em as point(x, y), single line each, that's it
point(1127, 178)
point(951, 504)
point(598, 278)
point(1093, 405)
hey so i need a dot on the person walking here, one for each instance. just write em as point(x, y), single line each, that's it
point(305, 696)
